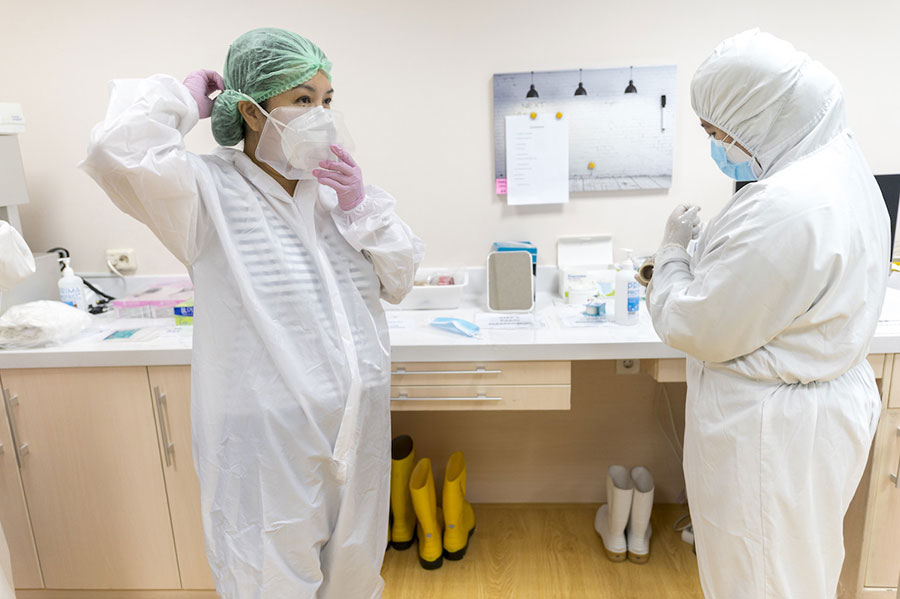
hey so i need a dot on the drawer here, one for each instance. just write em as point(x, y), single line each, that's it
point(481, 373)
point(480, 397)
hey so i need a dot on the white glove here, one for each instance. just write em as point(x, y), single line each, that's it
point(682, 226)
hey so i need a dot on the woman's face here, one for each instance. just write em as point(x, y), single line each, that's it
point(315, 92)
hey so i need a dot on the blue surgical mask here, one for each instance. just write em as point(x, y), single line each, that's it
point(739, 171)
point(456, 325)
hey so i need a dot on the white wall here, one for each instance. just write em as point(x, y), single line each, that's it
point(414, 79)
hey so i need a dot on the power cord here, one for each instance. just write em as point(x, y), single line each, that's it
point(102, 304)
point(676, 444)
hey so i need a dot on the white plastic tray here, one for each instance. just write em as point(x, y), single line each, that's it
point(434, 297)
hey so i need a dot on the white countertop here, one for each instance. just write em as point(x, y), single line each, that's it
point(161, 343)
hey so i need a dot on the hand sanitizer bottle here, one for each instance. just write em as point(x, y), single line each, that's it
point(71, 287)
point(628, 293)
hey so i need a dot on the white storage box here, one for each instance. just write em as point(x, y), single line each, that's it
point(585, 263)
point(434, 297)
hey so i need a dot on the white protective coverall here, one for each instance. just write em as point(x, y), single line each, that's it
point(776, 310)
point(291, 361)
point(16, 264)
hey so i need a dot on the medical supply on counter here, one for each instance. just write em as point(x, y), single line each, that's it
point(456, 325)
point(41, 323)
point(596, 308)
point(585, 266)
point(510, 281)
point(434, 289)
point(184, 313)
point(628, 293)
point(158, 301)
point(71, 287)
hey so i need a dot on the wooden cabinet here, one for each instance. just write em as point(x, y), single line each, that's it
point(171, 388)
point(880, 567)
point(13, 512)
point(92, 478)
point(883, 553)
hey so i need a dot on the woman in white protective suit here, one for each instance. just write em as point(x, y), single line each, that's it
point(776, 310)
point(16, 264)
point(289, 255)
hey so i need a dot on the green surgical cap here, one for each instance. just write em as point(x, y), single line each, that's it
point(262, 63)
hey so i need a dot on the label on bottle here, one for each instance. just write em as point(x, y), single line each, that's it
point(634, 297)
point(70, 295)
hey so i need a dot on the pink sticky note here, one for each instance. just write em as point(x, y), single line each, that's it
point(501, 186)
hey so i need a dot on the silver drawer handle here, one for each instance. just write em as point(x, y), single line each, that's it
point(479, 397)
point(895, 478)
point(20, 450)
point(168, 447)
point(479, 370)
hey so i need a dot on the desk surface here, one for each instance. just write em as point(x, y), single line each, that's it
point(160, 343)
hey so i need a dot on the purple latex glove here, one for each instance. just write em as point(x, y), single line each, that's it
point(201, 83)
point(343, 176)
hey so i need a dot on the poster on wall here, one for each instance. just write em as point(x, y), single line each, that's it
point(621, 123)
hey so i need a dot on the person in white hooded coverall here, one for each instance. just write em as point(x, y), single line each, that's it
point(776, 310)
point(16, 264)
point(291, 361)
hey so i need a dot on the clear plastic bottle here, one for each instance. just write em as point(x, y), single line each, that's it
point(71, 287)
point(628, 293)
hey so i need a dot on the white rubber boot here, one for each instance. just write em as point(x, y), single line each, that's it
point(639, 530)
point(612, 518)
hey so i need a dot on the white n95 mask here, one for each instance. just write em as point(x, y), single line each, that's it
point(296, 138)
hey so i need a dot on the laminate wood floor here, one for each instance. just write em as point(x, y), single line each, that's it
point(548, 551)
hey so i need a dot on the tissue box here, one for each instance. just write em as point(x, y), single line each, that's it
point(585, 267)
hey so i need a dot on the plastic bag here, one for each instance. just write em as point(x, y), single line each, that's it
point(36, 324)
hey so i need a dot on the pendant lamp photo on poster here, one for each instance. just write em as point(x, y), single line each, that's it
point(580, 91)
point(631, 89)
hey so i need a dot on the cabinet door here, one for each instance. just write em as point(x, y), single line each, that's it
point(171, 386)
point(883, 563)
point(93, 478)
point(13, 512)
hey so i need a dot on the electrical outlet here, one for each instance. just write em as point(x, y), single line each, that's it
point(125, 261)
point(628, 366)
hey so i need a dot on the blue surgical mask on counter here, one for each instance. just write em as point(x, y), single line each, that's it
point(456, 325)
point(740, 168)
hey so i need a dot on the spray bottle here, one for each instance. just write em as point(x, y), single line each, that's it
point(628, 292)
point(71, 287)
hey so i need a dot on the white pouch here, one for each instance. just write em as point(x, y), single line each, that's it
point(36, 324)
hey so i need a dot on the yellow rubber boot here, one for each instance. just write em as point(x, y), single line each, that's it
point(403, 528)
point(430, 524)
point(459, 517)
